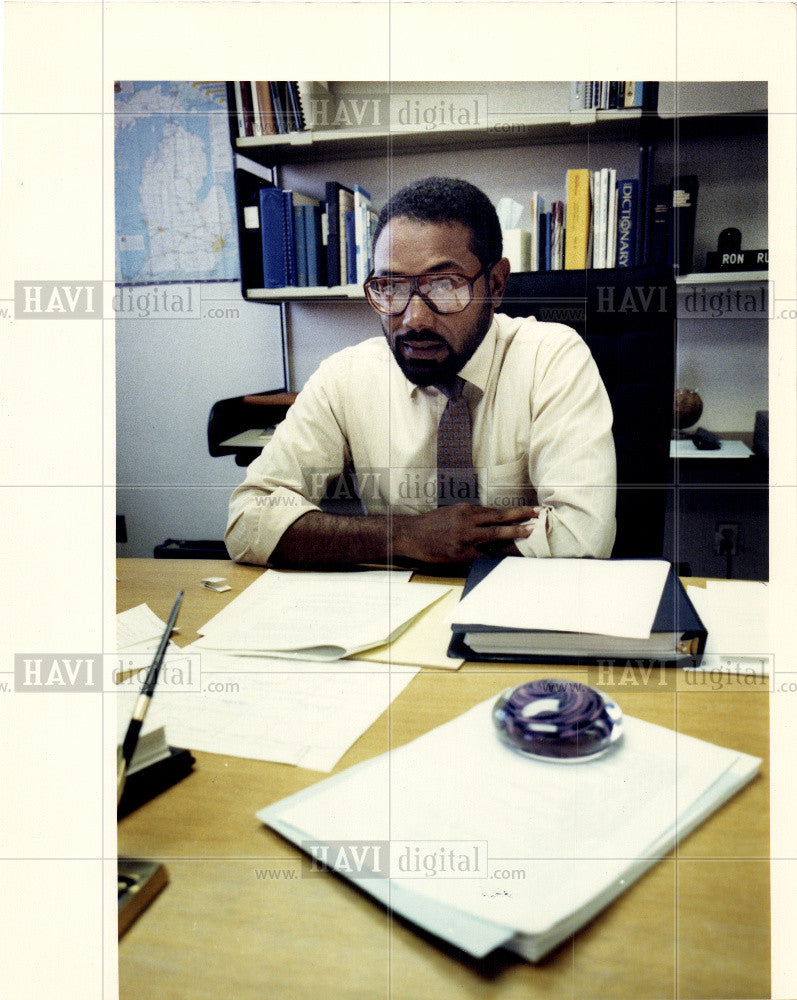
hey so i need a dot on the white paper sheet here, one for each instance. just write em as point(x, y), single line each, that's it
point(317, 615)
point(291, 712)
point(573, 830)
point(425, 641)
point(600, 596)
point(137, 625)
point(736, 616)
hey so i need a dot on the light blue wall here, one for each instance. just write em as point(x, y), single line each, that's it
point(169, 373)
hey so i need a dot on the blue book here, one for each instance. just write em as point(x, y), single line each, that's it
point(627, 191)
point(316, 259)
point(548, 240)
point(300, 243)
point(351, 249)
point(274, 235)
point(544, 229)
point(290, 239)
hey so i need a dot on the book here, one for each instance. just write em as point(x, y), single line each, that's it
point(316, 251)
point(362, 243)
point(650, 154)
point(290, 239)
point(557, 235)
point(232, 110)
point(315, 103)
point(642, 186)
point(300, 239)
point(279, 103)
point(547, 228)
point(611, 220)
point(542, 240)
point(345, 204)
point(351, 248)
point(239, 109)
point(335, 195)
point(628, 94)
point(537, 209)
point(458, 805)
point(626, 222)
point(249, 178)
point(276, 226)
point(578, 219)
point(246, 104)
point(676, 637)
point(296, 117)
point(683, 211)
point(659, 224)
point(267, 123)
point(599, 217)
point(257, 116)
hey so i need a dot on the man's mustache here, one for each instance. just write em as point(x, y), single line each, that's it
point(417, 336)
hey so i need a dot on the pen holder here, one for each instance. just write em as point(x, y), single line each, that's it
point(557, 720)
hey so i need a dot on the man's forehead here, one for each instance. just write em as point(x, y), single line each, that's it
point(420, 242)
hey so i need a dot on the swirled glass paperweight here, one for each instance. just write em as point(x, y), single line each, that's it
point(558, 720)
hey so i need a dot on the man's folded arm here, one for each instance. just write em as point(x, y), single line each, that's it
point(288, 478)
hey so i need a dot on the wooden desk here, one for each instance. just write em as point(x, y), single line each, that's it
point(696, 925)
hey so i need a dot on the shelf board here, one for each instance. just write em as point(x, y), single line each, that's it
point(313, 293)
point(723, 278)
point(505, 130)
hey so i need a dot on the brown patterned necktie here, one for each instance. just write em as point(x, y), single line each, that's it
point(456, 477)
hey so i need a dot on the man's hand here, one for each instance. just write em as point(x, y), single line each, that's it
point(461, 532)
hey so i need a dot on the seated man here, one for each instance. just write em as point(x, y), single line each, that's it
point(469, 433)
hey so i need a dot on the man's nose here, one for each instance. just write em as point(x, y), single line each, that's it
point(418, 313)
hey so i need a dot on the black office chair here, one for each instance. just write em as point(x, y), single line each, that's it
point(627, 318)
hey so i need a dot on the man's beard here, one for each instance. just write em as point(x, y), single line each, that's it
point(434, 371)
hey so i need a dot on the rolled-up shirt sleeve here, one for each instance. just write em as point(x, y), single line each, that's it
point(288, 478)
point(572, 460)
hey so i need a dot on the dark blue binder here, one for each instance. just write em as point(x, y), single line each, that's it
point(676, 614)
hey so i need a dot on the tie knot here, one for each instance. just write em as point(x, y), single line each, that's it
point(453, 389)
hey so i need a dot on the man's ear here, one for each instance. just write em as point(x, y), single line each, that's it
point(498, 279)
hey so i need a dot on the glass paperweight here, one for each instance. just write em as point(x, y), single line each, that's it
point(558, 720)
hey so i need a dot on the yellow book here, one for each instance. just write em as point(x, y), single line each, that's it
point(577, 232)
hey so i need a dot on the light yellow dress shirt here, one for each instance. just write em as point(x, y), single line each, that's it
point(541, 435)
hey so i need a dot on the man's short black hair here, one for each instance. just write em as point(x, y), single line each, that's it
point(446, 199)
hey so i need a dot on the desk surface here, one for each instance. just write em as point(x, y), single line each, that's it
point(237, 919)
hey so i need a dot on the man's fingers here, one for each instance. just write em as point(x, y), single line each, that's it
point(509, 515)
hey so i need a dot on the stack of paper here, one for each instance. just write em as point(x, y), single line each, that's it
point(736, 614)
point(291, 712)
point(319, 616)
point(433, 821)
point(288, 710)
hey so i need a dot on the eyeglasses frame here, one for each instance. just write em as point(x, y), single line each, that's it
point(415, 290)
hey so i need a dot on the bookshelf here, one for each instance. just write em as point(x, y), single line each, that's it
point(527, 140)
point(691, 116)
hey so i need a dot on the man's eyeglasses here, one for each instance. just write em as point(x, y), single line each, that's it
point(443, 292)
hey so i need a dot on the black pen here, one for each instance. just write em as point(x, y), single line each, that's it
point(128, 747)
